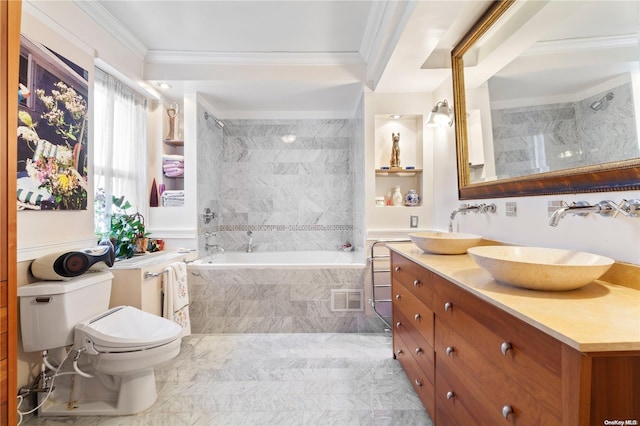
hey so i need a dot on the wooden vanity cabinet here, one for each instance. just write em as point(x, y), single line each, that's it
point(489, 367)
point(412, 318)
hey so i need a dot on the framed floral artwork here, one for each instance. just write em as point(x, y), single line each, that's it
point(52, 130)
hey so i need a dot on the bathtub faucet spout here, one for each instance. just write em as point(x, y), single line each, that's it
point(250, 245)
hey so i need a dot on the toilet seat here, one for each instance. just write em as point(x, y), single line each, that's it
point(127, 329)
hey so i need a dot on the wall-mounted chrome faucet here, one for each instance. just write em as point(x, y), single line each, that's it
point(208, 245)
point(465, 208)
point(250, 245)
point(629, 208)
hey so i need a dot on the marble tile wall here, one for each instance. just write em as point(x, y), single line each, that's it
point(209, 148)
point(274, 301)
point(297, 196)
point(357, 166)
point(560, 136)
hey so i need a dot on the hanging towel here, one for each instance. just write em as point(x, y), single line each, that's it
point(176, 296)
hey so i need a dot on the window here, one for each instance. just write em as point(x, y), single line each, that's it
point(120, 140)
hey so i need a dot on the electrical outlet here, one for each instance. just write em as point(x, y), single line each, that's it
point(413, 222)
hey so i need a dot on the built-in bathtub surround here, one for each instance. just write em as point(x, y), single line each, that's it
point(565, 135)
point(274, 299)
point(292, 196)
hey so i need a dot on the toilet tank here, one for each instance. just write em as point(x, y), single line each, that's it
point(49, 310)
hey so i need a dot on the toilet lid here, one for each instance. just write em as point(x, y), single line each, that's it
point(126, 328)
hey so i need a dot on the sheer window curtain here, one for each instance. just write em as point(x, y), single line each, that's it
point(120, 139)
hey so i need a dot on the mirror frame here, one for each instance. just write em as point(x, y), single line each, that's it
point(614, 176)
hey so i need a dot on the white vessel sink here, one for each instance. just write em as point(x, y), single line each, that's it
point(444, 242)
point(538, 268)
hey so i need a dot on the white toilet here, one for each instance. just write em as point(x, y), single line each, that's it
point(114, 350)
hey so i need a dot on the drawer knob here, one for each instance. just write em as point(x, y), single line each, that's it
point(416, 317)
point(418, 383)
point(397, 269)
point(448, 306)
point(397, 297)
point(449, 350)
point(450, 395)
point(398, 324)
point(505, 347)
point(418, 350)
point(416, 283)
point(399, 352)
point(506, 410)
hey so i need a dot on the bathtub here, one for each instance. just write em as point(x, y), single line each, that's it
point(278, 292)
point(283, 260)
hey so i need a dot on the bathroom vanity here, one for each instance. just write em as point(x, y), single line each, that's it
point(480, 352)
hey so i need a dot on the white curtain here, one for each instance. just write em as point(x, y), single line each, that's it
point(120, 139)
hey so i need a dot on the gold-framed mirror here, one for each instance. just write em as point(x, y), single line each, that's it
point(590, 64)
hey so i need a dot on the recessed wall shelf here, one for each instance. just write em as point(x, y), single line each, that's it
point(397, 172)
point(174, 142)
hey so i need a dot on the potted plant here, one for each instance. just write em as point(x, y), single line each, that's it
point(127, 233)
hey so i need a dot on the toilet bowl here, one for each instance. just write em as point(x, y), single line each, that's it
point(112, 352)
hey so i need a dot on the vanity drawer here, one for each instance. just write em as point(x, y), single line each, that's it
point(420, 350)
point(423, 387)
point(416, 312)
point(488, 396)
point(499, 386)
point(451, 400)
point(530, 348)
point(413, 276)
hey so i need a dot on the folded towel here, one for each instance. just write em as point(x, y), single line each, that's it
point(176, 296)
point(173, 157)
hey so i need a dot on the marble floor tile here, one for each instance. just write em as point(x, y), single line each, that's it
point(305, 379)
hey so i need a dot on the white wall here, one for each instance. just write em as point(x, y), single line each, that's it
point(618, 238)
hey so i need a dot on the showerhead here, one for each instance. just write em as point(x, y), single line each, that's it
point(602, 103)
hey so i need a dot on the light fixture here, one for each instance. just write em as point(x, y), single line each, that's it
point(288, 138)
point(395, 116)
point(441, 115)
point(163, 85)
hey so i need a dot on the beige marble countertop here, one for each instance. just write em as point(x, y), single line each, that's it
point(599, 317)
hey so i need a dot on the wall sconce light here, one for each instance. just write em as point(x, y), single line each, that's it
point(440, 116)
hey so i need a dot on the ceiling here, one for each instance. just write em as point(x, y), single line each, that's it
point(297, 58)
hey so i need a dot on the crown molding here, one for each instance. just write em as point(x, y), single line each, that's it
point(106, 20)
point(581, 44)
point(253, 58)
point(384, 28)
point(32, 9)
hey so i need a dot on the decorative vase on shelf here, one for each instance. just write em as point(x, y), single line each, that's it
point(412, 199)
point(397, 199)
